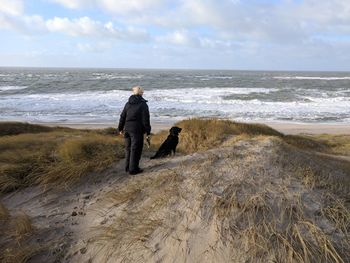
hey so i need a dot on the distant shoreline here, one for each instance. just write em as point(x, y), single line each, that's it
point(286, 128)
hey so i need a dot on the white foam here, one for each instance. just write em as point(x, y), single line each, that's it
point(7, 88)
point(312, 78)
point(173, 103)
point(110, 76)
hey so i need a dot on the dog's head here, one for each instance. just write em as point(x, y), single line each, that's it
point(175, 131)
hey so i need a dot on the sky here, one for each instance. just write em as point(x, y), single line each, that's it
point(185, 34)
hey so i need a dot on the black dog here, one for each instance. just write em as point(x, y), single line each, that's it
point(169, 145)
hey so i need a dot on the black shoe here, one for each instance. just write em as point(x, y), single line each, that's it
point(136, 172)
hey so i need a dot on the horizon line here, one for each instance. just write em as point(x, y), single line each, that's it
point(184, 69)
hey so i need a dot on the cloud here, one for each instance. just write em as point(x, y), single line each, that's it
point(179, 37)
point(11, 7)
point(230, 29)
point(277, 22)
point(5, 23)
point(128, 6)
point(83, 26)
point(76, 27)
point(187, 38)
point(73, 4)
point(280, 22)
point(94, 48)
point(114, 6)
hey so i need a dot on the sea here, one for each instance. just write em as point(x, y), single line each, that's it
point(97, 96)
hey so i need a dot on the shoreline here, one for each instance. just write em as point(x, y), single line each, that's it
point(286, 128)
point(308, 128)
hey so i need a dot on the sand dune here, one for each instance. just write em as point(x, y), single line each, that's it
point(255, 200)
point(286, 128)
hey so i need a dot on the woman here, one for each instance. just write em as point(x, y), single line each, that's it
point(134, 123)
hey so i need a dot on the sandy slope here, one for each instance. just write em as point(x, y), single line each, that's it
point(204, 207)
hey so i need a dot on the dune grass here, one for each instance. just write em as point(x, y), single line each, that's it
point(35, 154)
point(274, 223)
point(269, 222)
point(58, 156)
point(286, 206)
point(339, 144)
point(22, 226)
point(16, 232)
point(4, 213)
point(203, 134)
point(15, 128)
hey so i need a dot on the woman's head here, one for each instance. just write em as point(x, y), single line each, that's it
point(137, 90)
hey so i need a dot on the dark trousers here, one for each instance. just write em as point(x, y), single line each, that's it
point(133, 150)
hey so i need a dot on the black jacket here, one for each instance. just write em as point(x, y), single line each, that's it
point(135, 116)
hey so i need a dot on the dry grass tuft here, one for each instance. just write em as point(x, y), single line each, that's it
point(339, 144)
point(127, 235)
point(58, 156)
point(273, 225)
point(319, 177)
point(108, 131)
point(336, 211)
point(22, 226)
point(203, 134)
point(77, 157)
point(15, 128)
point(20, 254)
point(306, 143)
point(4, 213)
point(16, 232)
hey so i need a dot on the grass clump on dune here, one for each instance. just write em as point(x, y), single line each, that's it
point(203, 134)
point(339, 144)
point(14, 128)
point(4, 213)
point(16, 232)
point(274, 223)
point(76, 157)
point(59, 156)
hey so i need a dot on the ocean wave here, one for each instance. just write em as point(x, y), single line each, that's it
point(99, 76)
point(328, 100)
point(175, 94)
point(311, 78)
point(207, 77)
point(199, 99)
point(9, 88)
point(176, 103)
